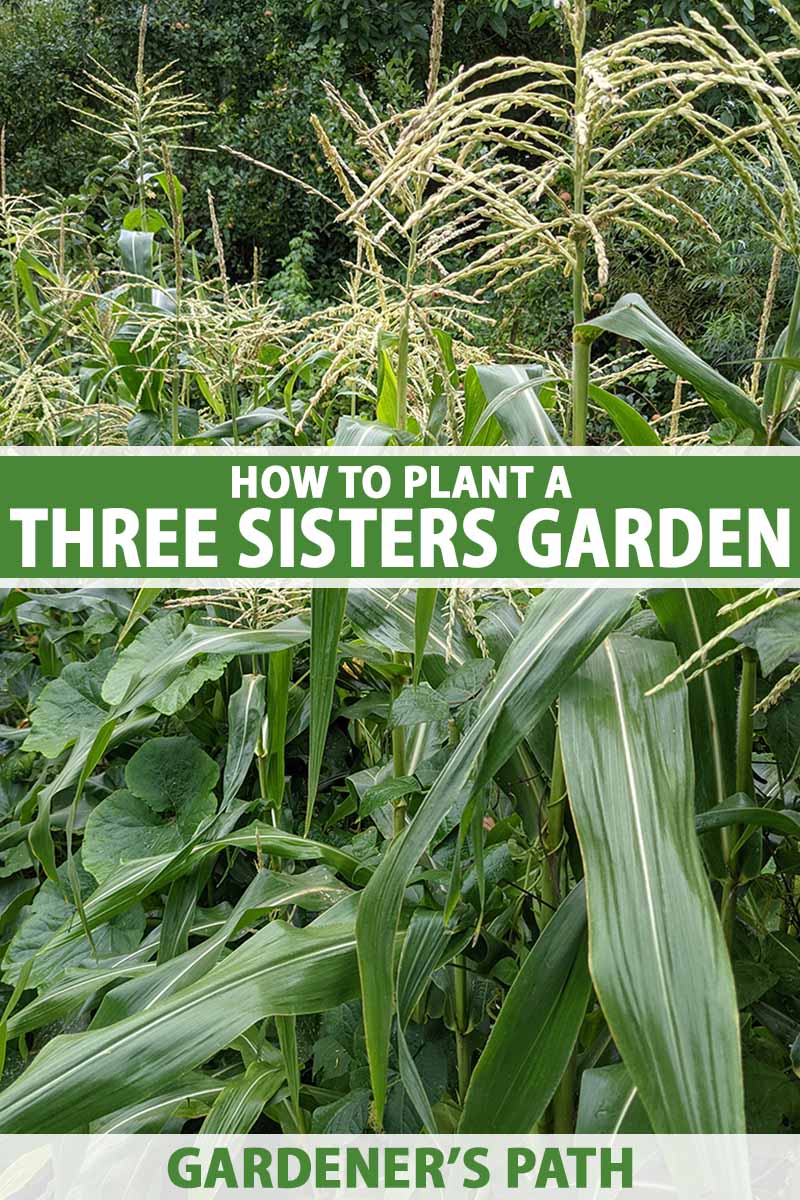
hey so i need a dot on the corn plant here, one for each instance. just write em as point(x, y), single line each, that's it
point(333, 862)
point(334, 871)
point(506, 171)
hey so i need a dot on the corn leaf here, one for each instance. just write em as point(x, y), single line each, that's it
point(279, 970)
point(142, 601)
point(354, 431)
point(631, 317)
point(151, 1115)
point(424, 605)
point(657, 954)
point(511, 398)
point(245, 715)
point(560, 630)
point(313, 889)
point(179, 909)
point(532, 1040)
point(780, 820)
point(387, 619)
point(134, 880)
point(278, 682)
point(327, 614)
point(631, 425)
point(610, 1103)
point(240, 1103)
point(136, 252)
point(782, 384)
point(688, 616)
point(148, 677)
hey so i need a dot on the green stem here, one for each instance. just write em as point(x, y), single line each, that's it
point(790, 350)
point(792, 927)
point(402, 370)
point(267, 807)
point(727, 910)
point(563, 1104)
point(263, 784)
point(578, 275)
point(176, 383)
point(581, 353)
point(553, 835)
point(233, 397)
point(287, 1037)
point(399, 757)
point(463, 1051)
point(402, 348)
point(744, 723)
point(140, 148)
point(580, 347)
point(561, 1112)
point(177, 240)
point(12, 273)
point(140, 170)
point(15, 303)
point(522, 780)
point(744, 782)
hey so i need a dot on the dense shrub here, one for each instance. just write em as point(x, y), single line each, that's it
point(260, 66)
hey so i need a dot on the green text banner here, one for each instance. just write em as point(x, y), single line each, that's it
point(398, 517)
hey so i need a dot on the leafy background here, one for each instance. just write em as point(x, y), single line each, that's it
point(261, 70)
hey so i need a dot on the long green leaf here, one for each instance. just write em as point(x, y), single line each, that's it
point(657, 954)
point(96, 752)
point(151, 678)
point(40, 838)
point(11, 1004)
point(631, 317)
point(327, 614)
point(511, 398)
point(610, 1103)
point(266, 892)
point(782, 384)
point(354, 431)
point(136, 252)
point(279, 680)
point(150, 1115)
point(474, 406)
point(387, 619)
point(178, 913)
point(286, 1029)
point(631, 425)
point(688, 616)
point(560, 629)
point(257, 418)
point(312, 889)
point(142, 601)
point(785, 821)
point(427, 945)
point(142, 877)
point(84, 1076)
point(424, 605)
point(245, 715)
point(534, 1035)
point(239, 1105)
point(73, 990)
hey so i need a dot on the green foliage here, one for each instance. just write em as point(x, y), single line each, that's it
point(484, 975)
point(335, 867)
point(126, 320)
point(369, 30)
point(259, 85)
point(124, 827)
